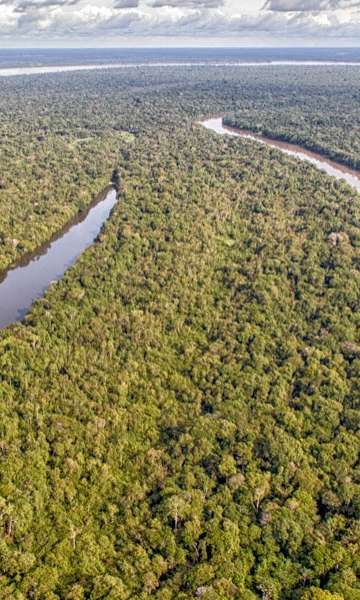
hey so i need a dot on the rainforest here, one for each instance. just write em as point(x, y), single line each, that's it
point(180, 412)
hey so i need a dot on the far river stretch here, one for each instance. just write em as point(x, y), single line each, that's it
point(331, 167)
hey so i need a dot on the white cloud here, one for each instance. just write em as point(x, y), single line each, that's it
point(26, 5)
point(123, 19)
point(8, 18)
point(127, 4)
point(195, 4)
point(309, 5)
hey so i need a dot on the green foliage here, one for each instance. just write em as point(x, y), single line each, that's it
point(179, 413)
point(318, 109)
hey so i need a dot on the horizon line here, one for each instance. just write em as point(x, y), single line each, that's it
point(147, 47)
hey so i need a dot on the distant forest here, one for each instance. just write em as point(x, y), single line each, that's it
point(20, 57)
point(180, 413)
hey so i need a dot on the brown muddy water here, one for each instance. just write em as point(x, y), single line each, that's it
point(330, 167)
point(27, 280)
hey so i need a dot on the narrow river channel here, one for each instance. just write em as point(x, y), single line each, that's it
point(331, 167)
point(27, 280)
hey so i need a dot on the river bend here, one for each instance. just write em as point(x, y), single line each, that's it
point(26, 281)
point(330, 167)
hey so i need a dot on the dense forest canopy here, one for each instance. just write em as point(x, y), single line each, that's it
point(291, 109)
point(181, 411)
point(61, 134)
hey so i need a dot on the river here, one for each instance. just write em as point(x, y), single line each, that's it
point(330, 167)
point(13, 71)
point(27, 280)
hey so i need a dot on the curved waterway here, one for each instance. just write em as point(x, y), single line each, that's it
point(331, 167)
point(28, 280)
point(25, 282)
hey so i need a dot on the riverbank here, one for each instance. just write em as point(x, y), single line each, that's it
point(29, 278)
point(337, 170)
point(305, 144)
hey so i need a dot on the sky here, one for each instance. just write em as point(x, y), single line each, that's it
point(139, 23)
